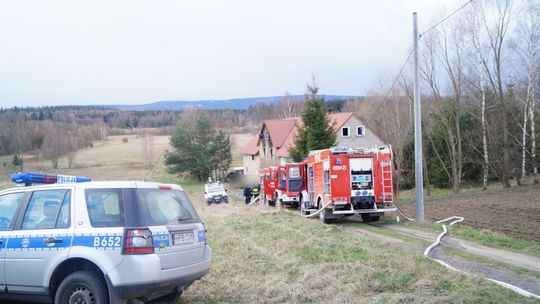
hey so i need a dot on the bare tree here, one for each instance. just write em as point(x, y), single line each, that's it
point(55, 144)
point(72, 145)
point(148, 147)
point(101, 132)
point(485, 166)
point(288, 107)
point(477, 57)
point(496, 20)
point(446, 53)
point(528, 47)
point(20, 141)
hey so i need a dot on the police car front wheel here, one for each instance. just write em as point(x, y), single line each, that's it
point(86, 287)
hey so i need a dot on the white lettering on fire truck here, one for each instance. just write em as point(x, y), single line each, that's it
point(339, 168)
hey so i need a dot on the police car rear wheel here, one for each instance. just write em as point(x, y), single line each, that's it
point(82, 287)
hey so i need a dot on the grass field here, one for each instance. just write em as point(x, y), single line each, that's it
point(271, 256)
point(265, 256)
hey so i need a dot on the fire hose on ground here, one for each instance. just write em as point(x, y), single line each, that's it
point(253, 200)
point(455, 220)
point(316, 213)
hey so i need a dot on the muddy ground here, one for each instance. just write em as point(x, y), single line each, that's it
point(514, 212)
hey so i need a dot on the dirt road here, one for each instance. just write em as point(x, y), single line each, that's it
point(487, 270)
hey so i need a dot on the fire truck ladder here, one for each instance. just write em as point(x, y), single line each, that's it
point(387, 182)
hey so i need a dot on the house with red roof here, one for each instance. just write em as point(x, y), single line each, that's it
point(270, 147)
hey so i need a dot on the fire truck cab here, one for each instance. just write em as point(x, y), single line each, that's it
point(345, 181)
point(268, 180)
point(290, 184)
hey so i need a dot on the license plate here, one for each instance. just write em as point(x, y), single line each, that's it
point(183, 238)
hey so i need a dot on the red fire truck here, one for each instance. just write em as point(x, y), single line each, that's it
point(345, 181)
point(290, 184)
point(268, 181)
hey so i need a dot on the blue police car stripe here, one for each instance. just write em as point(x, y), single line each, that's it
point(37, 242)
point(99, 241)
point(3, 244)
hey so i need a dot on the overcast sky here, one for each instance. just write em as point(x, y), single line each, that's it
point(129, 52)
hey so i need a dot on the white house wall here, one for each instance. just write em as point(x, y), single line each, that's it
point(368, 140)
point(251, 163)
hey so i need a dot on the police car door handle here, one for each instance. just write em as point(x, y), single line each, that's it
point(52, 240)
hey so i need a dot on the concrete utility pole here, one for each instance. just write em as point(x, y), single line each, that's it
point(418, 131)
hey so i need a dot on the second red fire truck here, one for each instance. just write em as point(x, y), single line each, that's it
point(268, 182)
point(282, 185)
point(290, 184)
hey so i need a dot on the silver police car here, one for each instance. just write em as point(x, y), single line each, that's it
point(99, 242)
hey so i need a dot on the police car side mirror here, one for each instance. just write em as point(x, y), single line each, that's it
point(204, 192)
point(226, 190)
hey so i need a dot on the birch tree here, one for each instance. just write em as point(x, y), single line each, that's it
point(528, 47)
point(478, 57)
point(496, 28)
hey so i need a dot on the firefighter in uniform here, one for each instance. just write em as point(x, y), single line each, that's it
point(247, 194)
point(255, 191)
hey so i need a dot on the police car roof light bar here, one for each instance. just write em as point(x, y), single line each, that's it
point(29, 178)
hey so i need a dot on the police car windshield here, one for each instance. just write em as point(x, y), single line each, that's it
point(162, 207)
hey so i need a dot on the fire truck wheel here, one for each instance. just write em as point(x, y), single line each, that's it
point(323, 216)
point(367, 218)
point(303, 208)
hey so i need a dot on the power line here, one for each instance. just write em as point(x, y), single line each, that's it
point(391, 88)
point(446, 18)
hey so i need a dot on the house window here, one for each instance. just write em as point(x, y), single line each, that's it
point(264, 152)
point(252, 157)
point(271, 152)
point(345, 132)
point(360, 131)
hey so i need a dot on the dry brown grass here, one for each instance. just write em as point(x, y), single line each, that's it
point(110, 160)
point(114, 160)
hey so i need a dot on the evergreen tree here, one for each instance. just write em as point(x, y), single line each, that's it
point(316, 131)
point(17, 161)
point(198, 150)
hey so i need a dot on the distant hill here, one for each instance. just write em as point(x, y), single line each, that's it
point(237, 103)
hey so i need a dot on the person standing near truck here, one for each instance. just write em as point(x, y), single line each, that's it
point(247, 194)
point(255, 191)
